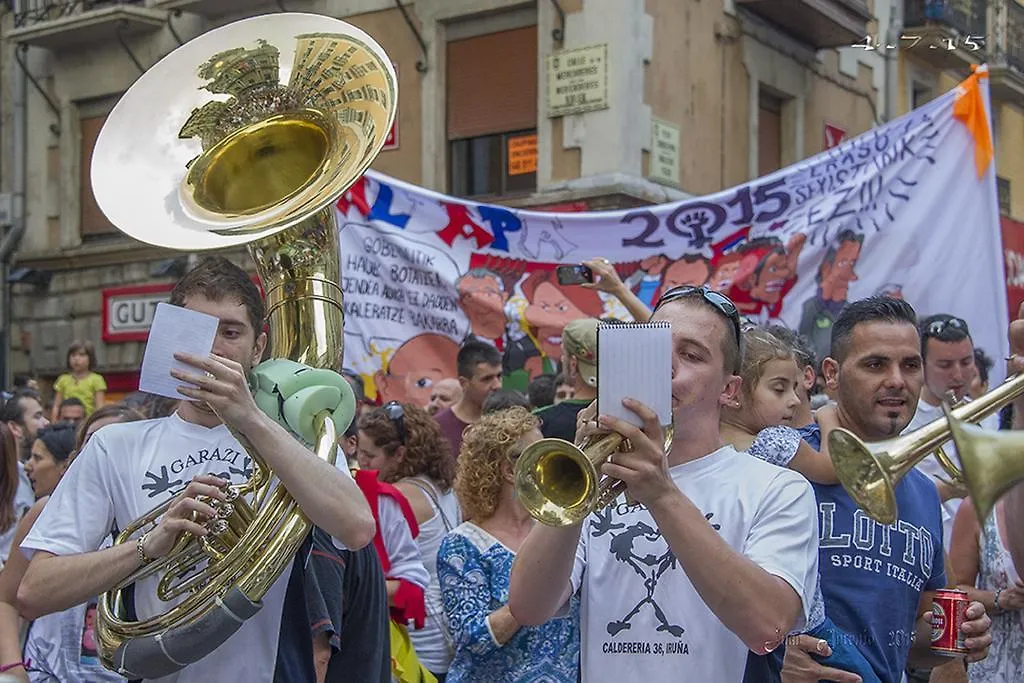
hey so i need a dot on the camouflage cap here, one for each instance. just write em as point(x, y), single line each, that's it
point(579, 339)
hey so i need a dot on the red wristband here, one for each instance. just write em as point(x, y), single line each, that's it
point(13, 665)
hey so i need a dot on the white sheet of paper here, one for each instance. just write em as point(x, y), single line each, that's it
point(635, 361)
point(174, 330)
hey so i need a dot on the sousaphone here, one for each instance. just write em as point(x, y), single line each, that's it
point(246, 135)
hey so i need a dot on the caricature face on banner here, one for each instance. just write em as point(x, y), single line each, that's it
point(894, 211)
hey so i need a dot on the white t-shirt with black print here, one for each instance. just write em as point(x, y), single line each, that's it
point(641, 618)
point(124, 472)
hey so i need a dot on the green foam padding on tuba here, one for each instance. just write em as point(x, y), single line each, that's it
point(292, 394)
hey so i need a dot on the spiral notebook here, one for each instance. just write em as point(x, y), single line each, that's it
point(634, 360)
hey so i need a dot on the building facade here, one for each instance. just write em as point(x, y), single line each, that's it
point(571, 104)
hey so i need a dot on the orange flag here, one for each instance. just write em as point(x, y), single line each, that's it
point(970, 110)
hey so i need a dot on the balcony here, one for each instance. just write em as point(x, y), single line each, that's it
point(212, 9)
point(1006, 65)
point(69, 24)
point(947, 34)
point(819, 23)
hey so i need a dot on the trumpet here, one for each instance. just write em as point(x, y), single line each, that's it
point(990, 462)
point(560, 483)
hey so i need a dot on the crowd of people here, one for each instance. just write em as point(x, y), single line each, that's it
point(736, 555)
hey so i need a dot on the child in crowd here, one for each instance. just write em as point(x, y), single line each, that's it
point(82, 382)
point(760, 421)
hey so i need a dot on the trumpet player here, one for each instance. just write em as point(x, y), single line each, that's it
point(126, 469)
point(716, 556)
point(947, 352)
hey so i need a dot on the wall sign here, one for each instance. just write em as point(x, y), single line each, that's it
point(128, 311)
point(664, 160)
point(578, 80)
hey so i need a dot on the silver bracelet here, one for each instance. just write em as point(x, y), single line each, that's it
point(998, 592)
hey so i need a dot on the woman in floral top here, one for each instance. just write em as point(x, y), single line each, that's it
point(475, 561)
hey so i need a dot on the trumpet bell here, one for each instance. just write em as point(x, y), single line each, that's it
point(992, 462)
point(865, 473)
point(556, 482)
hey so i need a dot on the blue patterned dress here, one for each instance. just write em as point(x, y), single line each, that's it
point(473, 568)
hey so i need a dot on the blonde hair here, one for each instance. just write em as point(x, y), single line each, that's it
point(485, 446)
point(759, 347)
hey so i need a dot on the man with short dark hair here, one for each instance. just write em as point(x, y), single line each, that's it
point(712, 553)
point(188, 460)
point(479, 366)
point(24, 416)
point(579, 366)
point(878, 580)
point(948, 353)
point(71, 410)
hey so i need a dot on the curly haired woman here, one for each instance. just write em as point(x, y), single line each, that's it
point(475, 562)
point(407, 448)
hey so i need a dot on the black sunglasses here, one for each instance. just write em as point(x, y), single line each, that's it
point(396, 413)
point(721, 302)
point(937, 327)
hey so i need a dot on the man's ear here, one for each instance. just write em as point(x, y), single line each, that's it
point(400, 454)
point(16, 430)
point(730, 397)
point(259, 348)
point(830, 369)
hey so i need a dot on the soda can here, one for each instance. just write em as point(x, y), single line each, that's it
point(948, 614)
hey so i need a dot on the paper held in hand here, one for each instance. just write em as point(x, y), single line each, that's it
point(174, 330)
point(634, 361)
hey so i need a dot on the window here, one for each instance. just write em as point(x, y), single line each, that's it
point(494, 164)
point(94, 223)
point(492, 113)
point(769, 134)
point(1003, 190)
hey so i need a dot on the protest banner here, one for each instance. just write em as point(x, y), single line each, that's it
point(908, 209)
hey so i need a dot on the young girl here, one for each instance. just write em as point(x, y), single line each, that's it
point(82, 383)
point(760, 422)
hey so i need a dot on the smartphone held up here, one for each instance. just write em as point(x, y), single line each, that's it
point(574, 274)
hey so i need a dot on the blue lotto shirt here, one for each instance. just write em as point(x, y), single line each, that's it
point(872, 575)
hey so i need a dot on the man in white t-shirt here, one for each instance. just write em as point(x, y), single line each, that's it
point(949, 367)
point(717, 556)
point(126, 470)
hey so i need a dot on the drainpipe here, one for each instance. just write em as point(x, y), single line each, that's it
point(892, 60)
point(10, 241)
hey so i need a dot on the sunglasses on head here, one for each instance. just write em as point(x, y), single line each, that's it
point(721, 302)
point(937, 327)
point(396, 413)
